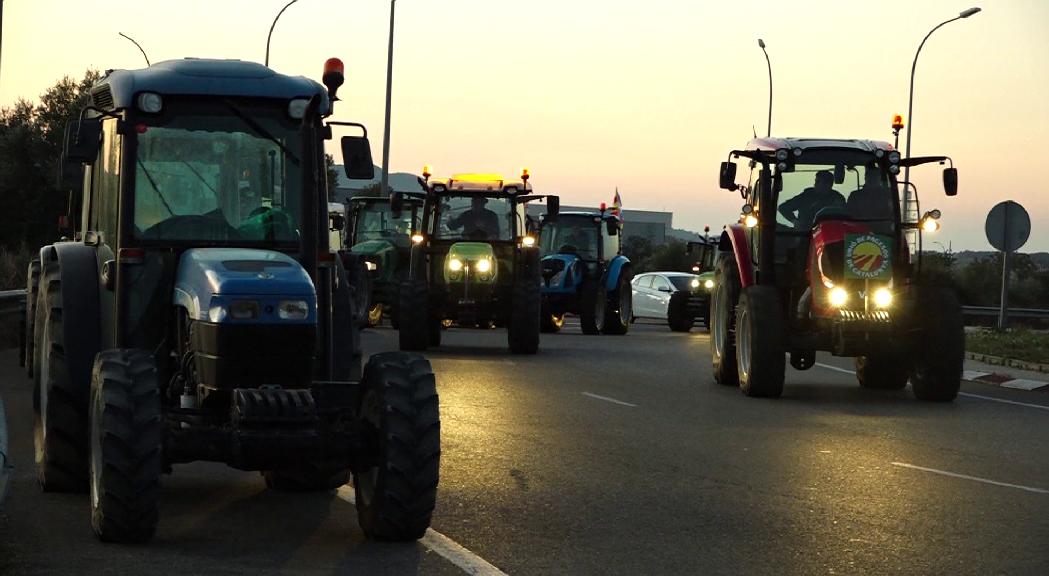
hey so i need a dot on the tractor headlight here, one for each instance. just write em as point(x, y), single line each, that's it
point(838, 297)
point(455, 264)
point(293, 309)
point(882, 297)
point(244, 310)
point(709, 284)
point(371, 266)
point(695, 268)
point(528, 241)
point(150, 102)
point(217, 313)
point(484, 266)
point(695, 282)
point(930, 225)
point(418, 238)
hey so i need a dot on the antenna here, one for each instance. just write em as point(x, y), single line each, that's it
point(137, 45)
point(761, 44)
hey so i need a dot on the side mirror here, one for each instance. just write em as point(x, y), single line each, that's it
point(612, 226)
point(337, 222)
point(664, 289)
point(83, 138)
point(357, 158)
point(727, 178)
point(553, 207)
point(950, 181)
point(396, 203)
point(70, 175)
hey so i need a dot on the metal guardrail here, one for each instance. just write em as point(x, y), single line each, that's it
point(12, 301)
point(1013, 312)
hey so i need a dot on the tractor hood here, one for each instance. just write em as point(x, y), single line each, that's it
point(207, 277)
point(382, 253)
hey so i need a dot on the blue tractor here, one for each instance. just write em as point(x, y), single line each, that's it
point(198, 313)
point(585, 273)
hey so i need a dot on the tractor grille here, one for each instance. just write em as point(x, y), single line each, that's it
point(102, 97)
point(881, 316)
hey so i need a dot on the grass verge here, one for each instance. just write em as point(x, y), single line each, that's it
point(1015, 344)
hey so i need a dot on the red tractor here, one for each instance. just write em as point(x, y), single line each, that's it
point(823, 258)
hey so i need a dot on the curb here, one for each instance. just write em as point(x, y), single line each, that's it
point(1004, 381)
point(1008, 362)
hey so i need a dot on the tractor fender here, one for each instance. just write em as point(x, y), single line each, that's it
point(78, 273)
point(734, 239)
point(618, 265)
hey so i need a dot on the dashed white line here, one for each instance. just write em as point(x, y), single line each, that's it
point(607, 399)
point(973, 478)
point(447, 548)
point(966, 394)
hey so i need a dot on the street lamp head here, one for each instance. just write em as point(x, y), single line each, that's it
point(761, 43)
point(969, 12)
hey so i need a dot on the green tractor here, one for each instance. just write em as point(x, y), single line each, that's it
point(381, 241)
point(474, 262)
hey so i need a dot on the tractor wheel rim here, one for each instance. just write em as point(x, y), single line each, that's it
point(96, 449)
point(44, 376)
point(720, 323)
point(743, 343)
point(625, 305)
point(599, 309)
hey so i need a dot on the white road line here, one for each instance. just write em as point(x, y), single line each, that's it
point(835, 368)
point(1003, 400)
point(973, 478)
point(447, 548)
point(607, 399)
point(966, 394)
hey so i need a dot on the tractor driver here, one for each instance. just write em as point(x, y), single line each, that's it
point(872, 201)
point(477, 221)
point(801, 210)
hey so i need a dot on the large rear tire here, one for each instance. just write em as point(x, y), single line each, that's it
point(882, 372)
point(64, 340)
point(939, 353)
point(619, 306)
point(723, 322)
point(414, 326)
point(399, 415)
point(126, 446)
point(760, 350)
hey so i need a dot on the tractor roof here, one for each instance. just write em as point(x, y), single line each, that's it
point(773, 144)
point(589, 214)
point(480, 183)
point(202, 77)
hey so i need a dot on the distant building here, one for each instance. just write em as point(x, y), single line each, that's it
point(398, 181)
point(648, 224)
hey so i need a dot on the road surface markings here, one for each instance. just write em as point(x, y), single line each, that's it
point(835, 368)
point(973, 374)
point(1023, 384)
point(447, 548)
point(973, 478)
point(1003, 400)
point(607, 399)
point(966, 394)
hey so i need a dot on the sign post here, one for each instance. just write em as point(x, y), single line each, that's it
point(1008, 227)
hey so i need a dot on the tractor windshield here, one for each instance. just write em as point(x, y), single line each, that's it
point(211, 177)
point(858, 191)
point(474, 217)
point(571, 235)
point(375, 221)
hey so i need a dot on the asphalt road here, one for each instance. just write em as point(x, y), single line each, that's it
point(615, 455)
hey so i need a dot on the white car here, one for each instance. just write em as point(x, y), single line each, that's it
point(676, 297)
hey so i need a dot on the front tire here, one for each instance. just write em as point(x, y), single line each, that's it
point(523, 331)
point(723, 322)
point(939, 354)
point(678, 317)
point(399, 415)
point(126, 446)
point(32, 288)
point(592, 307)
point(414, 326)
point(619, 306)
point(760, 351)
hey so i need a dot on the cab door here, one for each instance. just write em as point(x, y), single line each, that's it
point(660, 298)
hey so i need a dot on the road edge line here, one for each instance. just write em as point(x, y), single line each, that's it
point(973, 478)
point(442, 545)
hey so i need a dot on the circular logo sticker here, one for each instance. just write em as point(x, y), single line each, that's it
point(867, 256)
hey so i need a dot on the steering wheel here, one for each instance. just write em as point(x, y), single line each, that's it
point(191, 226)
point(477, 234)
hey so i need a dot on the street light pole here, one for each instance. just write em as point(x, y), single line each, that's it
point(907, 196)
point(272, 26)
point(384, 183)
point(761, 43)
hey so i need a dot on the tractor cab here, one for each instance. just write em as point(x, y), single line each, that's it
point(822, 241)
point(584, 271)
point(474, 260)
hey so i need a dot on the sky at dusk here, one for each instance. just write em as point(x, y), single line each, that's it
point(646, 95)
